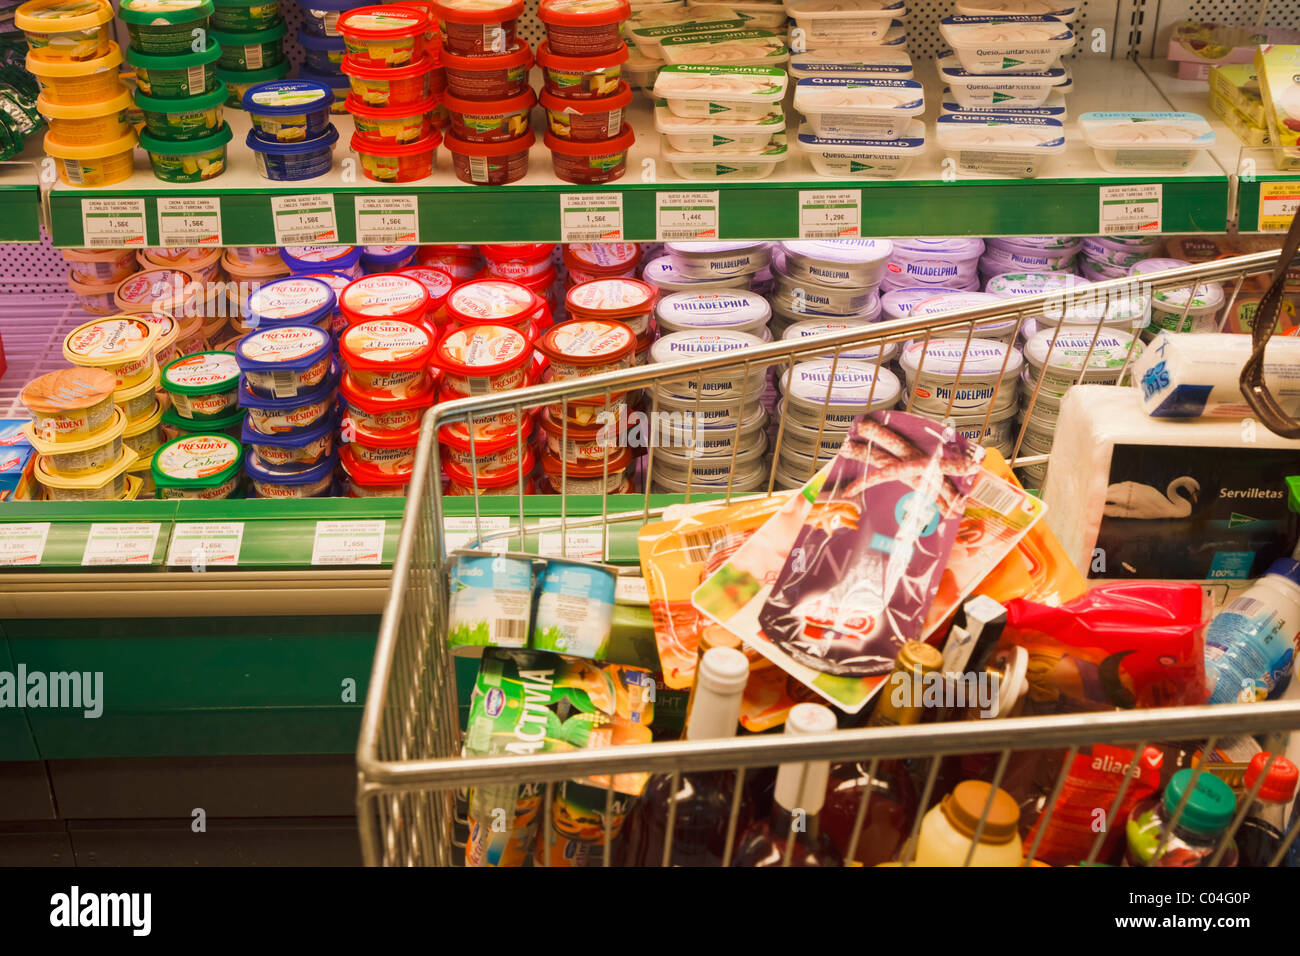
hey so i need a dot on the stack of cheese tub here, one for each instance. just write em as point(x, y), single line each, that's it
point(586, 107)
point(855, 86)
point(304, 259)
point(322, 46)
point(177, 88)
point(584, 261)
point(1003, 111)
point(1111, 257)
point(488, 347)
point(291, 136)
point(458, 260)
point(75, 62)
point(385, 350)
point(203, 454)
point(528, 263)
point(392, 60)
point(832, 278)
point(252, 48)
point(488, 100)
point(94, 274)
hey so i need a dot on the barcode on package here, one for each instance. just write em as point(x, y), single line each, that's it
point(479, 386)
point(994, 495)
point(253, 56)
point(72, 169)
point(700, 543)
point(509, 632)
point(478, 169)
point(198, 79)
point(285, 384)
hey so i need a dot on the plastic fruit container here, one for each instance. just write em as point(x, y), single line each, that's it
point(1146, 142)
point(384, 296)
point(478, 27)
point(164, 27)
point(392, 125)
point(490, 164)
point(389, 86)
point(174, 77)
point(188, 161)
point(70, 404)
point(194, 117)
point(388, 358)
point(384, 36)
point(98, 164)
point(1007, 44)
point(589, 120)
point(203, 386)
point(122, 345)
point(376, 414)
point(584, 27)
point(581, 77)
point(83, 81)
point(66, 31)
point(289, 111)
point(251, 51)
point(237, 83)
point(245, 16)
point(1003, 146)
point(490, 121)
point(589, 164)
point(399, 163)
point(481, 359)
point(860, 158)
point(286, 162)
point(204, 466)
point(495, 76)
point(321, 54)
point(285, 361)
point(87, 124)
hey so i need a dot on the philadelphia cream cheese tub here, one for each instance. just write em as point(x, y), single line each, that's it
point(805, 297)
point(949, 262)
point(840, 390)
point(863, 353)
point(203, 466)
point(738, 310)
point(1002, 330)
point(718, 260)
point(854, 263)
point(668, 464)
point(666, 277)
point(899, 303)
point(106, 484)
point(1059, 357)
point(733, 384)
point(999, 433)
point(750, 480)
point(962, 375)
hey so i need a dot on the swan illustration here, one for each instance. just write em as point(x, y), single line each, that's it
point(1132, 499)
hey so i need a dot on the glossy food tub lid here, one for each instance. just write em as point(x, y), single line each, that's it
point(613, 298)
point(583, 13)
point(588, 342)
point(202, 373)
point(286, 97)
point(289, 348)
point(978, 360)
point(383, 344)
point(115, 341)
point(384, 295)
point(483, 350)
point(855, 96)
point(478, 11)
point(66, 390)
point(850, 383)
point(163, 12)
point(197, 461)
point(491, 300)
point(297, 299)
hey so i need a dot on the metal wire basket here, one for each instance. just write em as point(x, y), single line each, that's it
point(409, 763)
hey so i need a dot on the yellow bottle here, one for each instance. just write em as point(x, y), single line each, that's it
point(948, 830)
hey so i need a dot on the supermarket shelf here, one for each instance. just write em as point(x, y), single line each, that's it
point(1064, 200)
point(20, 195)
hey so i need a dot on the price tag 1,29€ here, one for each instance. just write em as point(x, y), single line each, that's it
point(386, 220)
point(304, 220)
point(189, 221)
point(830, 213)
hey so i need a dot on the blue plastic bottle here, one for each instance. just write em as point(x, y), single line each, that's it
point(1251, 643)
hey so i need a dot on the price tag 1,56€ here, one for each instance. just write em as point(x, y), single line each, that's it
point(386, 220)
point(304, 220)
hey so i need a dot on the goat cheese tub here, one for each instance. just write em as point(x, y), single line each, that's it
point(1061, 359)
point(198, 466)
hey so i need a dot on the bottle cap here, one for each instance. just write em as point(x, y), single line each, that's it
point(1279, 784)
point(1210, 807)
point(809, 719)
point(965, 805)
point(724, 670)
point(1287, 568)
point(919, 658)
point(712, 637)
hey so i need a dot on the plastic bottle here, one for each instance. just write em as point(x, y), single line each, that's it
point(1207, 814)
point(948, 830)
point(1262, 831)
point(1251, 644)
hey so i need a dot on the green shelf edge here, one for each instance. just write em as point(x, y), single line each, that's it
point(747, 210)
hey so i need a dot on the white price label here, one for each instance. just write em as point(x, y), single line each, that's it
point(112, 223)
point(830, 213)
point(203, 544)
point(121, 543)
point(386, 220)
point(684, 215)
point(304, 220)
point(591, 217)
point(1130, 210)
point(585, 544)
point(348, 542)
point(464, 532)
point(189, 222)
point(1278, 204)
point(23, 545)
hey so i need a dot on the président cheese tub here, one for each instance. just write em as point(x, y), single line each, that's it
point(122, 345)
point(301, 259)
point(277, 416)
point(492, 448)
point(204, 466)
point(386, 451)
point(285, 361)
point(388, 358)
point(485, 358)
point(301, 448)
point(362, 481)
point(76, 459)
point(289, 481)
point(375, 413)
point(296, 300)
point(385, 295)
point(203, 386)
point(495, 302)
point(583, 347)
point(138, 401)
point(107, 484)
point(100, 265)
point(630, 301)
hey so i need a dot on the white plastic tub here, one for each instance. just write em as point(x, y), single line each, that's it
point(882, 63)
point(827, 24)
point(718, 166)
point(844, 158)
point(1127, 142)
point(648, 37)
point(1060, 9)
point(702, 134)
point(1054, 108)
point(1006, 90)
point(859, 109)
point(1006, 146)
point(1007, 44)
point(739, 92)
point(732, 48)
point(853, 263)
point(640, 72)
point(762, 16)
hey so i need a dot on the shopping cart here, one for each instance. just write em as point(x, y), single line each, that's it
point(409, 763)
